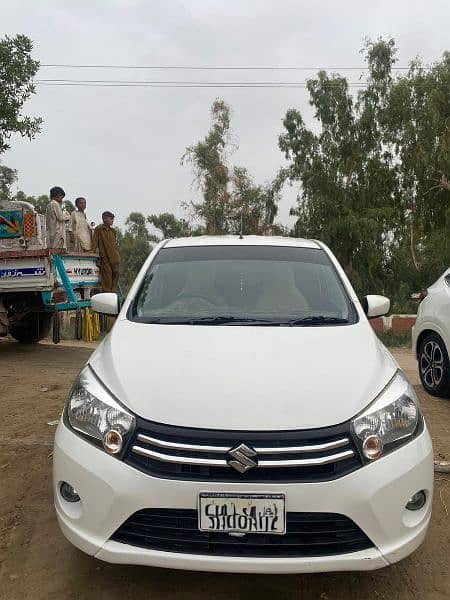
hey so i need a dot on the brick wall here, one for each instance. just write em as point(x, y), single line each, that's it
point(396, 323)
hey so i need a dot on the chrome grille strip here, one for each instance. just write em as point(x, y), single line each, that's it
point(176, 446)
point(307, 462)
point(304, 449)
point(219, 449)
point(210, 462)
point(182, 460)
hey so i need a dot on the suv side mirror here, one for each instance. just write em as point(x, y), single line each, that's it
point(375, 306)
point(106, 303)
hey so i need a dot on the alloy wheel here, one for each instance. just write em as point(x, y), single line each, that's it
point(432, 364)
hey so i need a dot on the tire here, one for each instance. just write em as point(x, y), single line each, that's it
point(434, 366)
point(78, 324)
point(56, 321)
point(32, 328)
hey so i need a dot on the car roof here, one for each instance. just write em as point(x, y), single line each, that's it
point(235, 240)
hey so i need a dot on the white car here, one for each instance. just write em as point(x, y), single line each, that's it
point(242, 416)
point(431, 338)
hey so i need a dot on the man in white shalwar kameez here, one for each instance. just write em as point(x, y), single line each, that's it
point(55, 220)
point(81, 232)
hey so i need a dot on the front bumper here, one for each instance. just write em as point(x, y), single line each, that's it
point(374, 497)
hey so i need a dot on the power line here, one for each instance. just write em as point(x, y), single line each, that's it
point(188, 84)
point(204, 68)
point(192, 86)
point(114, 81)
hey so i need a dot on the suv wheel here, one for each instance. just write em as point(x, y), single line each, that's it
point(434, 366)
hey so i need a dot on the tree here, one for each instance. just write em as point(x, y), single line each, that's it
point(134, 248)
point(230, 197)
point(17, 70)
point(253, 207)
point(8, 178)
point(170, 226)
point(419, 128)
point(366, 174)
point(209, 161)
point(345, 172)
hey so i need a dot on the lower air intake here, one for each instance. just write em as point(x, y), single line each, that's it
point(307, 535)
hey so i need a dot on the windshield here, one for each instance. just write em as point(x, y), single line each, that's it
point(271, 285)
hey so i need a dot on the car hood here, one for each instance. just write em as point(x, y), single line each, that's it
point(244, 378)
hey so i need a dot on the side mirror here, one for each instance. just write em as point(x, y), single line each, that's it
point(106, 303)
point(376, 306)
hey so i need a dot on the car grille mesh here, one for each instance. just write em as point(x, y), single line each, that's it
point(307, 534)
point(204, 455)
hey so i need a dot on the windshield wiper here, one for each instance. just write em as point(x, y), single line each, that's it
point(312, 320)
point(224, 320)
point(213, 320)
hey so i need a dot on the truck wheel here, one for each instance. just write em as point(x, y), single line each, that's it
point(32, 328)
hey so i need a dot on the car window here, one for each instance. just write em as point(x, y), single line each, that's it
point(262, 283)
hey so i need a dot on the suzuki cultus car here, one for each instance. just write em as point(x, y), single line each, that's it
point(242, 416)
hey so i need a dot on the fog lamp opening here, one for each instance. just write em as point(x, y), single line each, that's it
point(417, 501)
point(68, 492)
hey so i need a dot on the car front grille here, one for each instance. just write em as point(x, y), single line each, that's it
point(307, 534)
point(242, 456)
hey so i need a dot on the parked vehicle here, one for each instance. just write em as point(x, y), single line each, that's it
point(37, 283)
point(431, 338)
point(242, 416)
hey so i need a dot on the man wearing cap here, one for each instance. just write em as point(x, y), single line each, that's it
point(105, 244)
point(55, 220)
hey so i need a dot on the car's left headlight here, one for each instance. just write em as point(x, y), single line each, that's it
point(93, 412)
point(390, 421)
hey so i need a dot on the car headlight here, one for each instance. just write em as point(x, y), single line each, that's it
point(93, 412)
point(390, 421)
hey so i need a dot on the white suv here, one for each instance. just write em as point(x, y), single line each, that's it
point(242, 416)
point(431, 338)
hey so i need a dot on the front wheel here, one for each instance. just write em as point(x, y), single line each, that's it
point(434, 366)
point(32, 328)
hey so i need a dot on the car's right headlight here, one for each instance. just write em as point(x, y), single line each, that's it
point(96, 415)
point(390, 421)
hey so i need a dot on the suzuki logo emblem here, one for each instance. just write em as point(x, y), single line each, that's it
point(242, 458)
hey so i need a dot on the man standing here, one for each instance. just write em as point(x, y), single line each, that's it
point(81, 232)
point(105, 244)
point(55, 220)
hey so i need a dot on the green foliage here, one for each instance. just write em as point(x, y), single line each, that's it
point(67, 205)
point(230, 197)
point(134, 248)
point(17, 70)
point(208, 159)
point(8, 177)
point(395, 340)
point(170, 226)
point(373, 177)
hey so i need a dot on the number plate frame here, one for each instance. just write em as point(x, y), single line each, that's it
point(227, 498)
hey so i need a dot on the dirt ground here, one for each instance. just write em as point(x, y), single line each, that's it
point(37, 562)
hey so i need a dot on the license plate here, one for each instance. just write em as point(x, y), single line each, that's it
point(242, 513)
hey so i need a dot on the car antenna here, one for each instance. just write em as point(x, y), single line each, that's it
point(241, 237)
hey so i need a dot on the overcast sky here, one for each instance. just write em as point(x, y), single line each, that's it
point(121, 147)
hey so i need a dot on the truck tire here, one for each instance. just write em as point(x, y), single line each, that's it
point(32, 328)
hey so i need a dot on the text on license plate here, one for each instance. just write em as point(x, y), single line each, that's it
point(242, 513)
